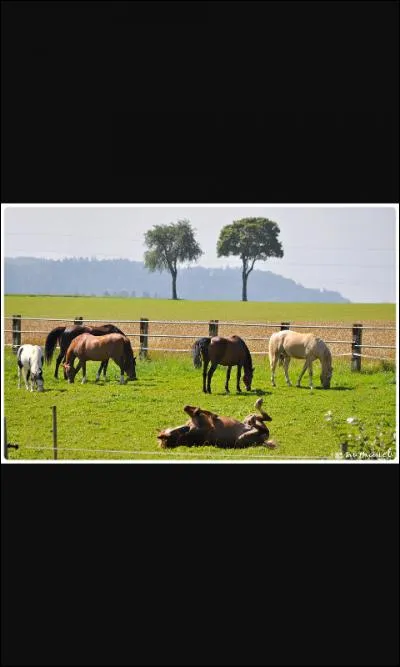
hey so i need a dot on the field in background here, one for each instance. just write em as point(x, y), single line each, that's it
point(110, 308)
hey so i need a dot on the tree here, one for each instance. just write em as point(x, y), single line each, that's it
point(170, 245)
point(251, 239)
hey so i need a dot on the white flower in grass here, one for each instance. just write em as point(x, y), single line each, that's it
point(351, 420)
point(328, 416)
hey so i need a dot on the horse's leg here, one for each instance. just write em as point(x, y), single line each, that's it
point(273, 367)
point(311, 374)
point(58, 362)
point(209, 376)
point(105, 366)
point(99, 372)
point(239, 372)
point(205, 365)
point(19, 377)
point(228, 375)
point(82, 364)
point(286, 363)
point(120, 363)
point(306, 365)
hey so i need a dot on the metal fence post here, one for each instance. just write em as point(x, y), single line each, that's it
point(356, 347)
point(144, 330)
point(285, 325)
point(16, 332)
point(54, 409)
point(213, 328)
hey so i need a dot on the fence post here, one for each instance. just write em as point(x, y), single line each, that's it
point(356, 347)
point(54, 409)
point(16, 332)
point(78, 320)
point(5, 439)
point(144, 330)
point(213, 328)
point(285, 325)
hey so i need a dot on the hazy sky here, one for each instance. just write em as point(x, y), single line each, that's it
point(348, 249)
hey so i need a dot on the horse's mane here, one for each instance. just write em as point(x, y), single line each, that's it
point(248, 362)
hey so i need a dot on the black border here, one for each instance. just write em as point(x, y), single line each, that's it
point(179, 563)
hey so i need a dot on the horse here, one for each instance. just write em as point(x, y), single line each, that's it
point(207, 428)
point(64, 335)
point(231, 351)
point(283, 345)
point(30, 365)
point(87, 347)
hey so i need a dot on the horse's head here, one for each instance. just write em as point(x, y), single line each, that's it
point(70, 372)
point(37, 379)
point(130, 367)
point(325, 377)
point(248, 377)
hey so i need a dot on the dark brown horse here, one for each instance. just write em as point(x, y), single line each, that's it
point(207, 428)
point(64, 335)
point(231, 351)
point(87, 347)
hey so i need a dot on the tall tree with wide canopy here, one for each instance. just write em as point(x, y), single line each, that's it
point(170, 245)
point(251, 239)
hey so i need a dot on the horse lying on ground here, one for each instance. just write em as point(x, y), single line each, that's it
point(231, 351)
point(87, 347)
point(65, 335)
point(207, 428)
point(30, 365)
point(283, 345)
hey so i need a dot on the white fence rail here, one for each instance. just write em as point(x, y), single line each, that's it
point(147, 330)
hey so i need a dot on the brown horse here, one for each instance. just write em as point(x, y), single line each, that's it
point(87, 347)
point(207, 428)
point(64, 335)
point(231, 351)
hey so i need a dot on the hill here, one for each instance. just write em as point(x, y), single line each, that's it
point(80, 276)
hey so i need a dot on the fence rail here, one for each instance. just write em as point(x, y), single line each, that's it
point(143, 326)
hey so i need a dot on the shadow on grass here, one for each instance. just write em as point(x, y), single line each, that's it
point(340, 388)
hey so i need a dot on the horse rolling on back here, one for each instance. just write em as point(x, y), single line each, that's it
point(30, 365)
point(87, 347)
point(283, 345)
point(231, 351)
point(64, 335)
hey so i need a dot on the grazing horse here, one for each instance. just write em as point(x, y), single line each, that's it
point(283, 345)
point(207, 428)
point(231, 351)
point(30, 365)
point(87, 347)
point(64, 335)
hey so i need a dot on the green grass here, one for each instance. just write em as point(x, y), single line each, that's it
point(113, 309)
point(109, 416)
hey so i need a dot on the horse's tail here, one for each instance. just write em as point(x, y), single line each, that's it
point(198, 349)
point(51, 341)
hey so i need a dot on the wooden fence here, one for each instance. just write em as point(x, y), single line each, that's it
point(145, 329)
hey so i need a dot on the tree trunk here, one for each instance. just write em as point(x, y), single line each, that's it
point(174, 294)
point(244, 286)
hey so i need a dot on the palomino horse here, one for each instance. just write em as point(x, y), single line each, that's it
point(64, 335)
point(231, 351)
point(283, 345)
point(87, 347)
point(207, 428)
point(30, 365)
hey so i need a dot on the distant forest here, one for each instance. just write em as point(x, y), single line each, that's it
point(124, 278)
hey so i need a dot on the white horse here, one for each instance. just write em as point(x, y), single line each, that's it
point(286, 344)
point(30, 365)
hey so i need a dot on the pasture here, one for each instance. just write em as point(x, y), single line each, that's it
point(110, 421)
